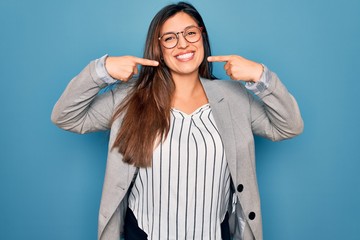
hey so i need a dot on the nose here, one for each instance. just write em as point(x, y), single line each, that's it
point(182, 43)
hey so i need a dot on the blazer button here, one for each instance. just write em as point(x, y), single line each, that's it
point(252, 215)
point(240, 188)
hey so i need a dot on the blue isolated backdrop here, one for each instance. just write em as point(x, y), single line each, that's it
point(50, 180)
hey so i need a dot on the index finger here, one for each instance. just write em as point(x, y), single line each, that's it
point(146, 62)
point(219, 58)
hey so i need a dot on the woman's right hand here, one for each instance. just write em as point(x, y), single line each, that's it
point(125, 67)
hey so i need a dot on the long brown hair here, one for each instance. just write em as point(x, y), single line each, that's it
point(146, 109)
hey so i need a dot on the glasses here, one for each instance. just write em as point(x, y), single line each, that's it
point(191, 34)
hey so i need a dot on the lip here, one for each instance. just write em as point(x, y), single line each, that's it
point(185, 56)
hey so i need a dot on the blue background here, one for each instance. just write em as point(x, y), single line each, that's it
point(50, 180)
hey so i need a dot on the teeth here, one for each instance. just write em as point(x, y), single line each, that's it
point(185, 56)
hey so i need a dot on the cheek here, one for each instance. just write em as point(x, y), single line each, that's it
point(201, 54)
point(165, 55)
point(200, 49)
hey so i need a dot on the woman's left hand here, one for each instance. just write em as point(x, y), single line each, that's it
point(239, 68)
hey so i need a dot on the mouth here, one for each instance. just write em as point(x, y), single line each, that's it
point(185, 56)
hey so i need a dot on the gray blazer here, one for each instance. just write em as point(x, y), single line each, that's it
point(274, 115)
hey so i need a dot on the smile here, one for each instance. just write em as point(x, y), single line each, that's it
point(185, 56)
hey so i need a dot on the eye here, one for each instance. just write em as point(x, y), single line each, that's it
point(169, 37)
point(191, 33)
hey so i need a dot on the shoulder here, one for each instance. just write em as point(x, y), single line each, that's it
point(121, 86)
point(226, 88)
point(119, 90)
point(224, 84)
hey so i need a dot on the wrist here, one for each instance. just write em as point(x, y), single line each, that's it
point(108, 66)
point(258, 72)
point(102, 71)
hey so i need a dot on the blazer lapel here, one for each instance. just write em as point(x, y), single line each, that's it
point(223, 119)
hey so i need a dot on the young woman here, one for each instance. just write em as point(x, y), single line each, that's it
point(181, 149)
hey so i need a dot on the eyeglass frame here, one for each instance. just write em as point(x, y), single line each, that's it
point(182, 32)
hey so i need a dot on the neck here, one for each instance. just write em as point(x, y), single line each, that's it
point(186, 85)
point(189, 93)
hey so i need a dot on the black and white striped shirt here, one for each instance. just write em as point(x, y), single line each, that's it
point(185, 194)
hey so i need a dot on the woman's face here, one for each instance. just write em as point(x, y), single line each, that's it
point(185, 58)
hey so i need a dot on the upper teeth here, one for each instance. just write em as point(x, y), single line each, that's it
point(186, 55)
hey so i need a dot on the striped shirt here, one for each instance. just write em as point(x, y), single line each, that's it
point(185, 194)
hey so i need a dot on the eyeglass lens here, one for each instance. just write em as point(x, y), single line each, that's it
point(191, 34)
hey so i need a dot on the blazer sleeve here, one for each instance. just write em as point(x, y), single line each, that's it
point(81, 108)
point(276, 114)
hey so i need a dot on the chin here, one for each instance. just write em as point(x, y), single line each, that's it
point(185, 69)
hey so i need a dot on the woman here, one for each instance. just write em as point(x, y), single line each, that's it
point(181, 148)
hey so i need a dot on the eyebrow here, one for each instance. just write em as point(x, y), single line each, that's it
point(178, 32)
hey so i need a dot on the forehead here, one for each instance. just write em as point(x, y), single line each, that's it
point(178, 22)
